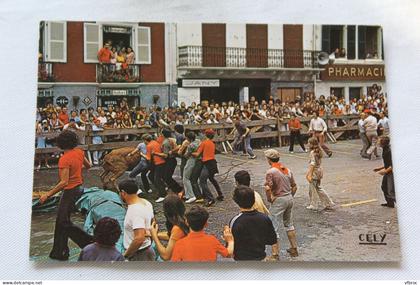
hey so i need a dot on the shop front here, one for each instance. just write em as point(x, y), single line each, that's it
point(114, 97)
point(222, 90)
point(350, 81)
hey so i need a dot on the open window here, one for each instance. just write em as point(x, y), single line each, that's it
point(369, 42)
point(137, 37)
point(333, 40)
point(54, 37)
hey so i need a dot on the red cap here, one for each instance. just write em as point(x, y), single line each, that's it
point(209, 132)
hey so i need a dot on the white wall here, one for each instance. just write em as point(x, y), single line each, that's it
point(171, 52)
point(308, 37)
point(318, 37)
point(275, 36)
point(236, 35)
point(188, 34)
point(188, 95)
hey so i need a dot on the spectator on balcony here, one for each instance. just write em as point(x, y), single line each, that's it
point(113, 59)
point(343, 52)
point(104, 54)
point(63, 116)
point(120, 60)
point(130, 56)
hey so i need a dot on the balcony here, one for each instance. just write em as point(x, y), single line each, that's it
point(45, 73)
point(111, 73)
point(228, 57)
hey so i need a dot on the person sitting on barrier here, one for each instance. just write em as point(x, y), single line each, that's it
point(106, 233)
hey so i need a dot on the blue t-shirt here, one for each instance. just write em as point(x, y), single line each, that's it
point(96, 252)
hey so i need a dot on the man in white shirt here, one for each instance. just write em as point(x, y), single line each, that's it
point(371, 126)
point(137, 223)
point(384, 124)
point(363, 137)
point(318, 127)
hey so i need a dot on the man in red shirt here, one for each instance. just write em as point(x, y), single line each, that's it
point(207, 150)
point(199, 246)
point(64, 116)
point(153, 148)
point(70, 173)
point(104, 54)
point(295, 127)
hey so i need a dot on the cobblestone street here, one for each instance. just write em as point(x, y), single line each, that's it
point(322, 235)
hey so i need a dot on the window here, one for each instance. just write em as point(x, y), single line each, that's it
point(55, 41)
point(143, 48)
point(333, 39)
point(369, 42)
point(137, 37)
point(355, 93)
point(351, 42)
point(337, 92)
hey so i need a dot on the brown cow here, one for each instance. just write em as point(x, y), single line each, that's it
point(115, 164)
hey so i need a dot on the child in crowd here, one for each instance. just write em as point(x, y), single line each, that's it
point(106, 234)
point(199, 246)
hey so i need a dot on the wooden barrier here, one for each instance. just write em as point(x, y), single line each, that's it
point(223, 132)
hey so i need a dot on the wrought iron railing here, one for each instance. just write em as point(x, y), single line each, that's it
point(45, 73)
point(107, 72)
point(203, 56)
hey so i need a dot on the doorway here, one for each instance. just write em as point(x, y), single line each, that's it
point(287, 95)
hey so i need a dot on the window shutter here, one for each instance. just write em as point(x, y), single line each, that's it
point(326, 39)
point(351, 42)
point(143, 46)
point(362, 42)
point(56, 39)
point(93, 41)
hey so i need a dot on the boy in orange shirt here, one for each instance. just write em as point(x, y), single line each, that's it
point(199, 246)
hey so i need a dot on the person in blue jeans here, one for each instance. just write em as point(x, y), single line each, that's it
point(143, 167)
point(243, 136)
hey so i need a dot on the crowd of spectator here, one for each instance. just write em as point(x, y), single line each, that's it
point(124, 116)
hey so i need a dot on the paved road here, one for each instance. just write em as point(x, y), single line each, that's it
point(322, 236)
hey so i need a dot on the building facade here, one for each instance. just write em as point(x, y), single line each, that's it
point(222, 62)
point(69, 72)
point(358, 64)
point(206, 61)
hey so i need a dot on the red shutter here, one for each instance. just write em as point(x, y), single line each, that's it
point(293, 46)
point(214, 44)
point(256, 45)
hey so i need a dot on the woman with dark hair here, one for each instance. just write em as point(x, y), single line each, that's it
point(174, 211)
point(106, 234)
point(70, 173)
